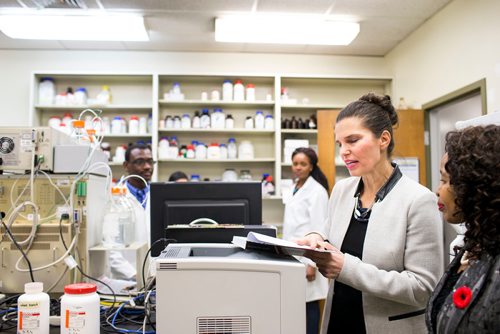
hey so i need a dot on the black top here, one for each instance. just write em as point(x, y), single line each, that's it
point(443, 294)
point(347, 303)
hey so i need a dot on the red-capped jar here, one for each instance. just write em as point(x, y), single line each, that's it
point(80, 309)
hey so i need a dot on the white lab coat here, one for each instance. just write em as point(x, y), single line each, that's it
point(305, 212)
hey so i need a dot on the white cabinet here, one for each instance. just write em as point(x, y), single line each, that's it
point(146, 95)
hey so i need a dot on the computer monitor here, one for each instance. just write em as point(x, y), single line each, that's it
point(175, 203)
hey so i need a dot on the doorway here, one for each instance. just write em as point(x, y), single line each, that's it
point(441, 117)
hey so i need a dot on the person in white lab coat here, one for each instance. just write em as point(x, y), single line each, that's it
point(306, 210)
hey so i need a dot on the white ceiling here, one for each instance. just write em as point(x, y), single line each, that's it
point(188, 25)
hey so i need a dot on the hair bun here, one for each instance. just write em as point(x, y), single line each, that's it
point(384, 102)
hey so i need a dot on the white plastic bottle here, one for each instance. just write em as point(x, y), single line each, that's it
point(185, 122)
point(46, 91)
point(238, 91)
point(245, 150)
point(229, 122)
point(259, 120)
point(205, 119)
point(133, 125)
point(33, 310)
point(213, 152)
point(200, 151)
point(227, 90)
point(81, 96)
point(116, 125)
point(269, 122)
point(217, 119)
point(249, 122)
point(104, 96)
point(80, 309)
point(250, 93)
point(232, 150)
point(163, 148)
point(223, 151)
point(196, 120)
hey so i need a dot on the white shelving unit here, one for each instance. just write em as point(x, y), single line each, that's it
point(143, 94)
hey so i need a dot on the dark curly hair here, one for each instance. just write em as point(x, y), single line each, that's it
point(474, 169)
point(376, 112)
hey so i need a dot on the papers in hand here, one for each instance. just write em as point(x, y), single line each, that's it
point(257, 241)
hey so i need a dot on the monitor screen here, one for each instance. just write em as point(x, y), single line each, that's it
point(175, 203)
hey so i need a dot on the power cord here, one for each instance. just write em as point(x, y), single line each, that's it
point(167, 241)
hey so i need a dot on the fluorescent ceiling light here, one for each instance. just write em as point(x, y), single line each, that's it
point(74, 27)
point(282, 29)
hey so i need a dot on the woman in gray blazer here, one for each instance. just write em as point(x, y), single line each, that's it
point(384, 231)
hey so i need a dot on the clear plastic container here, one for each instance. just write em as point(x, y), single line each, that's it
point(33, 310)
point(163, 148)
point(245, 175)
point(80, 309)
point(104, 96)
point(249, 122)
point(185, 121)
point(229, 122)
point(118, 227)
point(269, 122)
point(205, 119)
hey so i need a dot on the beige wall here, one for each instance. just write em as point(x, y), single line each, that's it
point(16, 68)
point(456, 47)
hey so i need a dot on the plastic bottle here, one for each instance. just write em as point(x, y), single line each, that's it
point(33, 310)
point(106, 149)
point(182, 152)
point(204, 119)
point(163, 148)
point(245, 150)
point(250, 93)
point(54, 122)
point(196, 120)
point(104, 96)
point(217, 119)
point(249, 122)
point(269, 122)
point(81, 96)
point(143, 125)
point(195, 178)
point(67, 119)
point(238, 91)
point(229, 122)
point(200, 151)
point(213, 152)
point(78, 133)
point(173, 148)
point(227, 90)
point(123, 123)
point(118, 221)
point(150, 123)
point(119, 156)
point(190, 152)
point(245, 175)
point(223, 151)
point(185, 121)
point(133, 125)
point(231, 149)
point(105, 126)
point(269, 188)
point(116, 125)
point(80, 309)
point(177, 122)
point(169, 122)
point(70, 96)
point(46, 91)
point(259, 120)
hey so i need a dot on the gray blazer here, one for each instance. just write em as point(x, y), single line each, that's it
point(402, 255)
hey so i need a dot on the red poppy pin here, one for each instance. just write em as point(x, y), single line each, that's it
point(462, 297)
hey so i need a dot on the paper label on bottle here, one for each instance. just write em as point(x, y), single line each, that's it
point(29, 317)
point(74, 319)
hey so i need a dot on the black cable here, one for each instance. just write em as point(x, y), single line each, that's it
point(97, 280)
point(64, 216)
point(149, 251)
point(20, 249)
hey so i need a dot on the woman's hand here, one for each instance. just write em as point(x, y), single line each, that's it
point(329, 263)
point(310, 273)
point(312, 240)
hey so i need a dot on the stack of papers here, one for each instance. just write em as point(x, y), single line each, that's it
point(261, 242)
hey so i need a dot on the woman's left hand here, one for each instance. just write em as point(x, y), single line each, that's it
point(310, 273)
point(329, 264)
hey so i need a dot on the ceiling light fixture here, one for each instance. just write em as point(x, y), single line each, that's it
point(283, 29)
point(74, 27)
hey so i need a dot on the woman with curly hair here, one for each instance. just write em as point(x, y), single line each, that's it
point(467, 299)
